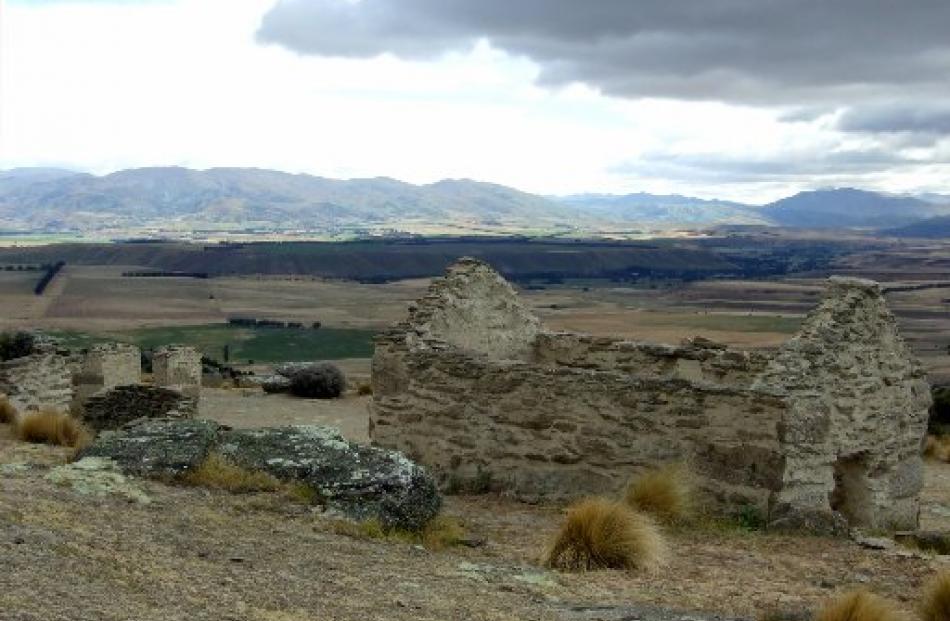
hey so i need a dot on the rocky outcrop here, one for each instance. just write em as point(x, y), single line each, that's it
point(361, 482)
point(825, 433)
point(113, 408)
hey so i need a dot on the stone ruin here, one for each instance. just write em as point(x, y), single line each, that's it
point(178, 367)
point(825, 433)
point(104, 386)
point(44, 377)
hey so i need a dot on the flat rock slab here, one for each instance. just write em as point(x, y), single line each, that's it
point(157, 448)
point(638, 613)
point(361, 481)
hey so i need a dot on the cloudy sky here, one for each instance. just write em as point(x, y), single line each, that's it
point(741, 99)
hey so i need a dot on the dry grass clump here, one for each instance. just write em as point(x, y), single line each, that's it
point(605, 534)
point(859, 605)
point(935, 605)
point(50, 426)
point(938, 447)
point(440, 533)
point(665, 493)
point(217, 472)
point(8, 413)
point(364, 388)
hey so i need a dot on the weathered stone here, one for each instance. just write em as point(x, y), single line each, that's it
point(97, 476)
point(160, 448)
point(829, 428)
point(177, 366)
point(113, 408)
point(276, 383)
point(361, 481)
point(113, 364)
point(41, 378)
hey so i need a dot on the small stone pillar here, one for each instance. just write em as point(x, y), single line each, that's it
point(113, 364)
point(178, 367)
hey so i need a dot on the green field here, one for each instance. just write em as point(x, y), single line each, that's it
point(261, 345)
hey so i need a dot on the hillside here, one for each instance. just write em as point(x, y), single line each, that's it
point(931, 228)
point(847, 207)
point(672, 209)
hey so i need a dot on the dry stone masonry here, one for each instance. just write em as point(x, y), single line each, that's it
point(178, 367)
point(825, 433)
point(42, 378)
point(114, 407)
point(106, 366)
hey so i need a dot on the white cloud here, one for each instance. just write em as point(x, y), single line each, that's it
point(102, 86)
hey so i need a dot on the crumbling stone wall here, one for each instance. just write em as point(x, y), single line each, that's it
point(40, 379)
point(105, 366)
point(560, 415)
point(113, 364)
point(114, 407)
point(178, 367)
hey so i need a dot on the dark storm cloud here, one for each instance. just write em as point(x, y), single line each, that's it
point(787, 52)
point(922, 118)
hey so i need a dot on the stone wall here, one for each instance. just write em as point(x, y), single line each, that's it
point(113, 364)
point(40, 379)
point(114, 407)
point(829, 428)
point(178, 367)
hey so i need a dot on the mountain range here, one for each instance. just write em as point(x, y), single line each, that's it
point(52, 199)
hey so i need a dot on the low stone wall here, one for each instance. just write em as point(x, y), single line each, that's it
point(559, 433)
point(114, 407)
point(40, 379)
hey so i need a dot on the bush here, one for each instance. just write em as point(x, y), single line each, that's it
point(935, 605)
point(600, 533)
point(16, 345)
point(364, 389)
point(665, 493)
point(320, 381)
point(217, 472)
point(50, 426)
point(8, 413)
point(859, 606)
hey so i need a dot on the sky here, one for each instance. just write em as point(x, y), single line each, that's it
point(747, 100)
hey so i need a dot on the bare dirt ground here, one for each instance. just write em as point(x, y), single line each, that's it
point(197, 554)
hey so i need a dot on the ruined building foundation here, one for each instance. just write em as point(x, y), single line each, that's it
point(826, 431)
point(178, 367)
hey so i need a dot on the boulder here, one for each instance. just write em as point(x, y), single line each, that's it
point(362, 482)
point(158, 447)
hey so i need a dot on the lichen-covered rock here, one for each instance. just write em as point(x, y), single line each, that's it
point(160, 448)
point(97, 476)
point(361, 481)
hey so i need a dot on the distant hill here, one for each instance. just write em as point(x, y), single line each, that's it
point(255, 197)
point(931, 228)
point(663, 209)
point(848, 207)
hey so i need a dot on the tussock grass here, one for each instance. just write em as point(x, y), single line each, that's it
point(859, 605)
point(935, 604)
point(217, 472)
point(50, 426)
point(8, 413)
point(364, 388)
point(665, 493)
point(938, 447)
point(440, 533)
point(605, 534)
